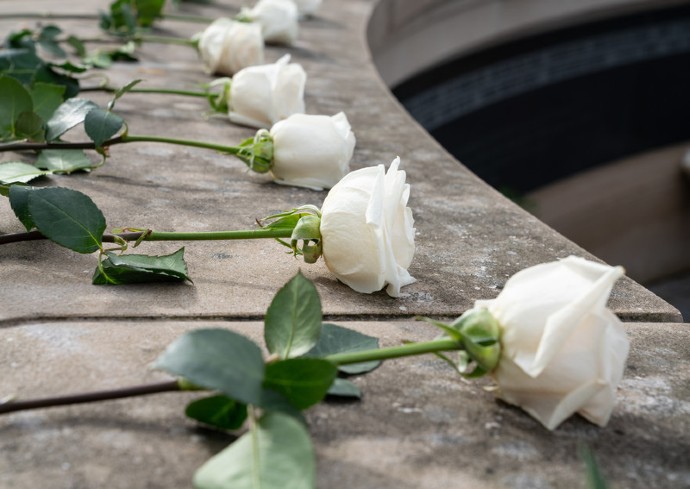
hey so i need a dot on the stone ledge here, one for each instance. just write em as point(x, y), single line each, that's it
point(419, 424)
point(470, 239)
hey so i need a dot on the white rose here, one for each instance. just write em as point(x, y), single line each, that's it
point(312, 151)
point(367, 230)
point(278, 20)
point(563, 351)
point(262, 95)
point(226, 46)
point(307, 7)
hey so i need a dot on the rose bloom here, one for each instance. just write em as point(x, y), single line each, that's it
point(226, 46)
point(367, 230)
point(262, 95)
point(312, 151)
point(307, 7)
point(278, 20)
point(563, 351)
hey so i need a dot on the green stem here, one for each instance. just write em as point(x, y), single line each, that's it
point(407, 350)
point(180, 41)
point(233, 150)
point(410, 349)
point(49, 15)
point(217, 235)
point(264, 233)
point(165, 91)
point(117, 140)
point(53, 16)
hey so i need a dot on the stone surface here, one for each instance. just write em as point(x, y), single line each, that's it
point(469, 238)
point(418, 425)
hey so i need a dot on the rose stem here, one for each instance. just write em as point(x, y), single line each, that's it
point(165, 91)
point(117, 140)
point(105, 395)
point(53, 16)
point(409, 349)
point(165, 236)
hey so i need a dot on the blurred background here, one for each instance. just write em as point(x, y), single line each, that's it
point(577, 110)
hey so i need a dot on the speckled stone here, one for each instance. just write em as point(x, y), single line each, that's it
point(418, 425)
point(469, 238)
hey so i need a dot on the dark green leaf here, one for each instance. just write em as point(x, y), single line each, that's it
point(276, 402)
point(217, 359)
point(148, 11)
point(218, 411)
point(100, 125)
point(46, 98)
point(121, 20)
point(70, 67)
point(20, 39)
point(344, 388)
point(77, 45)
point(293, 320)
point(64, 160)
point(303, 381)
point(19, 200)
point(47, 39)
point(277, 455)
point(46, 74)
point(14, 99)
point(16, 171)
point(336, 339)
point(29, 125)
point(67, 217)
point(134, 269)
point(68, 115)
point(20, 64)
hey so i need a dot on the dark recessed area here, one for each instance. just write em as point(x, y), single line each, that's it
point(537, 110)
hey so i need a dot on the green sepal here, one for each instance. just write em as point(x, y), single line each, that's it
point(308, 231)
point(257, 152)
point(481, 338)
point(218, 93)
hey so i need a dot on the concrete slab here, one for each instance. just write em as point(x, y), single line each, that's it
point(470, 239)
point(418, 425)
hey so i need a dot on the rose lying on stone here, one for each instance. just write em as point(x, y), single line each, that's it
point(262, 95)
point(367, 230)
point(563, 351)
point(226, 46)
point(278, 20)
point(312, 151)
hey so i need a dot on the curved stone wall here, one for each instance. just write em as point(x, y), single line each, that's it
point(532, 95)
point(409, 37)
